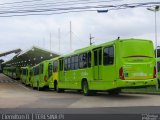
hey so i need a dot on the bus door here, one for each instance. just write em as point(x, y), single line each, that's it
point(97, 70)
point(109, 66)
point(41, 74)
point(49, 70)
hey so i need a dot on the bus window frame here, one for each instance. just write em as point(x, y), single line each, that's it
point(113, 59)
point(55, 66)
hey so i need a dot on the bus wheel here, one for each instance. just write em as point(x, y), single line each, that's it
point(85, 88)
point(114, 92)
point(79, 91)
point(59, 90)
point(55, 85)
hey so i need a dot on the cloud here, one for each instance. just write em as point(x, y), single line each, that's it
point(24, 32)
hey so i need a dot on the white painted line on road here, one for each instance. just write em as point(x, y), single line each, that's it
point(24, 87)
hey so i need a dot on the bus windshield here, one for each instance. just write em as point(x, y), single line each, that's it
point(136, 48)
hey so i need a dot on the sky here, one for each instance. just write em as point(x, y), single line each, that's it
point(26, 31)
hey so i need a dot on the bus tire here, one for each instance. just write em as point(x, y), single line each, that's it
point(85, 88)
point(79, 91)
point(59, 90)
point(55, 85)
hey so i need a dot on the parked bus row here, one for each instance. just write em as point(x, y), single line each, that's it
point(13, 72)
point(110, 67)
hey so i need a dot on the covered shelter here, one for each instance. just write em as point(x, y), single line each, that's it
point(31, 57)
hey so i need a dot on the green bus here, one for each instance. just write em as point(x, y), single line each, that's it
point(50, 74)
point(26, 75)
point(42, 75)
point(111, 66)
point(54, 68)
point(16, 72)
point(5, 71)
point(10, 72)
point(13, 72)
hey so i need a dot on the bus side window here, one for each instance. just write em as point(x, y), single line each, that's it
point(80, 61)
point(76, 62)
point(95, 58)
point(100, 57)
point(83, 60)
point(65, 64)
point(55, 66)
point(49, 70)
point(72, 63)
point(69, 63)
point(108, 56)
point(61, 65)
point(89, 59)
point(41, 68)
point(36, 70)
point(158, 66)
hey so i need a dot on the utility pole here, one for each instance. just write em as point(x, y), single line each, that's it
point(70, 35)
point(59, 38)
point(90, 38)
point(50, 40)
point(155, 10)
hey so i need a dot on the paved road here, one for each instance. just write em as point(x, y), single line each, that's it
point(15, 95)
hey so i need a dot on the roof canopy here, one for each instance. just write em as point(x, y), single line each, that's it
point(16, 51)
point(31, 57)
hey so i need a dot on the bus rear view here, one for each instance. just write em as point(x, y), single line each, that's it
point(137, 63)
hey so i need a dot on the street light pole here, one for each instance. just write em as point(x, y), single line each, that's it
point(155, 9)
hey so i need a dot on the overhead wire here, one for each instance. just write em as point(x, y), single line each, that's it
point(70, 8)
point(26, 1)
point(36, 9)
point(62, 10)
point(56, 4)
point(81, 40)
point(56, 9)
point(54, 13)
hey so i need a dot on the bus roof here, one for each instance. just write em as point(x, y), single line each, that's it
point(120, 40)
point(85, 49)
point(53, 59)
